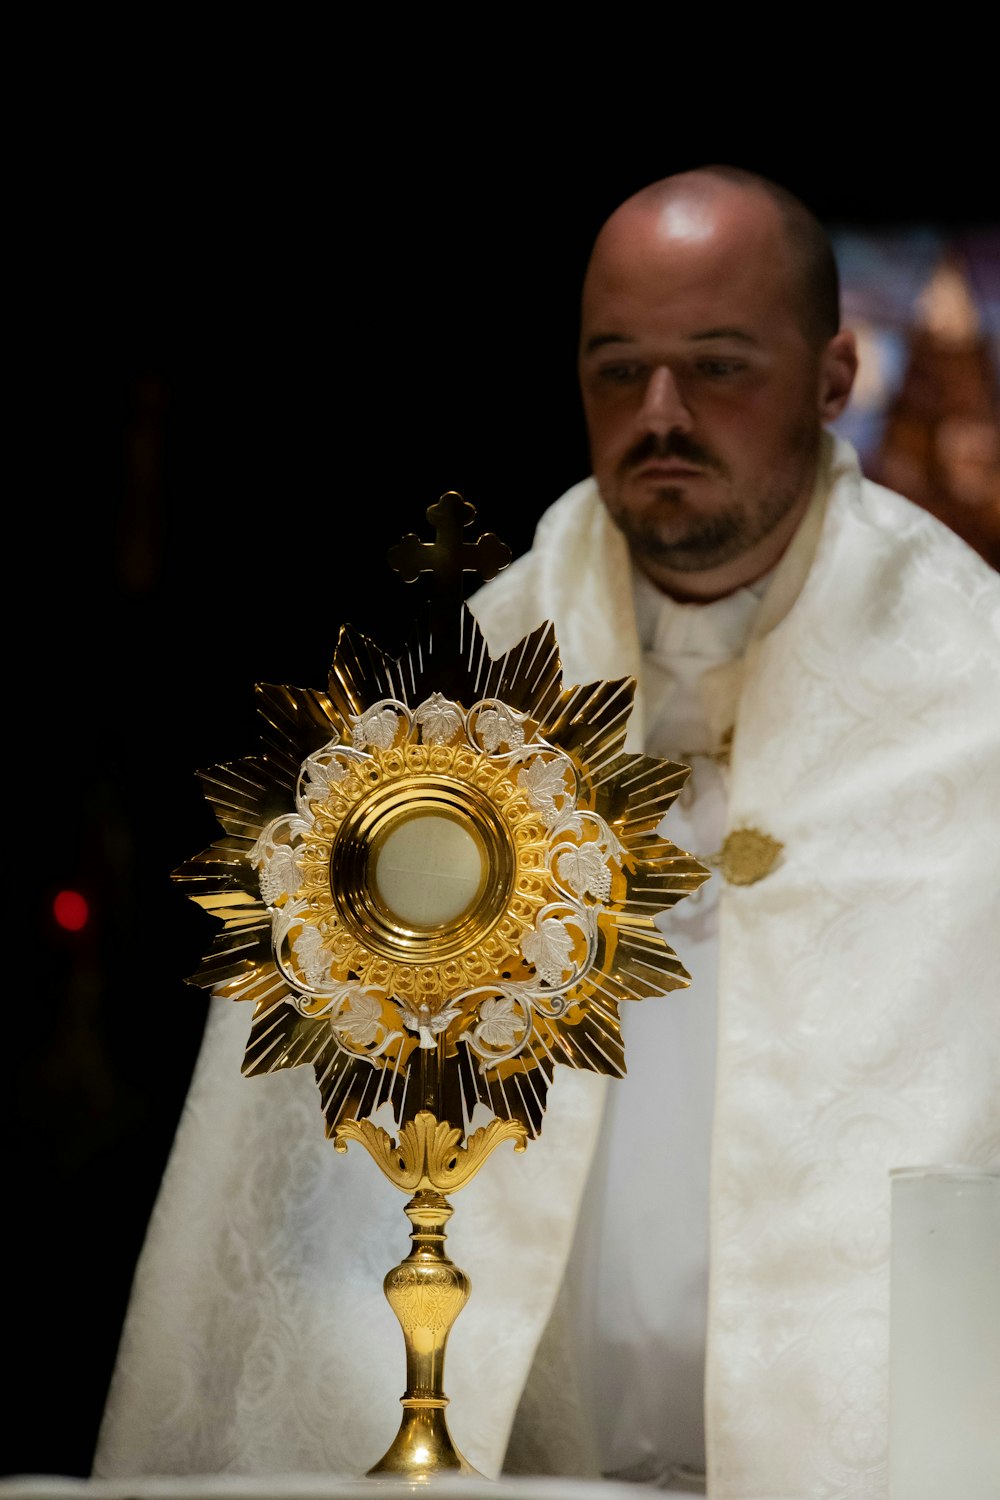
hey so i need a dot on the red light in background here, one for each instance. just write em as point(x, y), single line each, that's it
point(71, 911)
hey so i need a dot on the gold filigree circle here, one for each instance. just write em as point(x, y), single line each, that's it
point(425, 964)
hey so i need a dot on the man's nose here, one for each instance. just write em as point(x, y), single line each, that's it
point(663, 410)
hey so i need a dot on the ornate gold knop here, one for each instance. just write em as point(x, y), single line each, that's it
point(428, 1154)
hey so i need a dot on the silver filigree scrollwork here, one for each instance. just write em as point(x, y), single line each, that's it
point(358, 1022)
point(543, 780)
point(504, 1026)
point(274, 856)
point(498, 1035)
point(584, 865)
point(491, 724)
point(439, 720)
point(322, 771)
point(378, 727)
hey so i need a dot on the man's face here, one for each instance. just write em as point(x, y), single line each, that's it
point(700, 388)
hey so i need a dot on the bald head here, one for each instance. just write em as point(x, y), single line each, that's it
point(688, 203)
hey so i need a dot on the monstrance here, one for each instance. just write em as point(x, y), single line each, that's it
point(437, 880)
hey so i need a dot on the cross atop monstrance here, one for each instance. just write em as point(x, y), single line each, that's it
point(448, 557)
point(439, 881)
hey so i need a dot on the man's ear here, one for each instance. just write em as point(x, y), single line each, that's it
point(838, 367)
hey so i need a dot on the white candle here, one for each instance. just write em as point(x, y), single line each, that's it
point(944, 1334)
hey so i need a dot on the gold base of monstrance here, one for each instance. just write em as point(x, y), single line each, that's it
point(438, 880)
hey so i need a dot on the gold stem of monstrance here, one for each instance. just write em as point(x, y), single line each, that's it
point(426, 1291)
point(440, 878)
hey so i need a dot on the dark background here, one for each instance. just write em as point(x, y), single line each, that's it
point(254, 354)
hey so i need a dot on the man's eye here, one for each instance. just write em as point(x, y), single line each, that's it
point(720, 367)
point(620, 374)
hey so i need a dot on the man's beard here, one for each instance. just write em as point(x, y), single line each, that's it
point(708, 541)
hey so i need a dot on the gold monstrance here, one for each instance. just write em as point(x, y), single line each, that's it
point(437, 880)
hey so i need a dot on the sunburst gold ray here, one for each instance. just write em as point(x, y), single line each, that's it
point(296, 722)
point(361, 674)
point(648, 895)
point(240, 965)
point(244, 795)
point(225, 861)
point(260, 983)
point(283, 1038)
point(590, 721)
point(640, 791)
point(528, 677)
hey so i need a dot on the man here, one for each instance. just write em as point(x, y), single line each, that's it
point(825, 657)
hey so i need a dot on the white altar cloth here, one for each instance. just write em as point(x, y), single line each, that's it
point(320, 1487)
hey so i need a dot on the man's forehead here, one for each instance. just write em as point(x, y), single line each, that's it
point(693, 297)
point(723, 333)
point(690, 308)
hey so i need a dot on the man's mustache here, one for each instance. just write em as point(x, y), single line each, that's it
point(675, 445)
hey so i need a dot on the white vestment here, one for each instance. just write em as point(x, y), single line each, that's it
point(637, 1296)
point(858, 1030)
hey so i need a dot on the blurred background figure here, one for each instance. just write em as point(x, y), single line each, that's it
point(925, 414)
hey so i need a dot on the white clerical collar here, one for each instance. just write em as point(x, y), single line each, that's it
point(717, 631)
